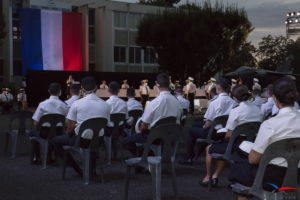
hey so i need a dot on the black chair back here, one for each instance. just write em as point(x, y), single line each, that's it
point(53, 130)
point(116, 119)
point(222, 120)
point(21, 117)
point(248, 130)
point(95, 124)
point(136, 114)
point(168, 134)
point(289, 149)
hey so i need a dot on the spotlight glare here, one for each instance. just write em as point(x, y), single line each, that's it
point(296, 20)
point(292, 14)
point(298, 13)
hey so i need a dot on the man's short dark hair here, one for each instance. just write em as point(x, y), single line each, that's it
point(163, 80)
point(224, 84)
point(75, 89)
point(88, 83)
point(130, 92)
point(114, 87)
point(213, 91)
point(54, 88)
point(178, 90)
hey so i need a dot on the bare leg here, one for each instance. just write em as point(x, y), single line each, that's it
point(208, 164)
point(242, 198)
point(220, 165)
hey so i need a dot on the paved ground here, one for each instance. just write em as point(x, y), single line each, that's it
point(20, 180)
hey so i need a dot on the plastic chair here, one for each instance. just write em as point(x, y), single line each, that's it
point(289, 149)
point(221, 120)
point(94, 124)
point(21, 117)
point(48, 133)
point(112, 139)
point(169, 135)
point(136, 114)
point(248, 131)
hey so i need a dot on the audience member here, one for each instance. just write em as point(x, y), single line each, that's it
point(163, 106)
point(257, 100)
point(185, 104)
point(6, 100)
point(284, 125)
point(243, 113)
point(132, 104)
point(266, 108)
point(74, 91)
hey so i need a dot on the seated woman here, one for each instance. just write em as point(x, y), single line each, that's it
point(283, 126)
point(243, 113)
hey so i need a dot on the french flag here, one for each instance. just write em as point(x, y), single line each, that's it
point(51, 40)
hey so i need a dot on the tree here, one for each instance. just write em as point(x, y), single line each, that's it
point(197, 40)
point(272, 51)
point(2, 27)
point(163, 3)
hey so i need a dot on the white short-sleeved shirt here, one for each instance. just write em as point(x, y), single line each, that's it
point(88, 107)
point(244, 113)
point(191, 87)
point(185, 104)
point(257, 101)
point(266, 108)
point(133, 104)
point(144, 89)
point(71, 100)
point(117, 105)
point(256, 86)
point(6, 97)
point(219, 107)
point(103, 86)
point(164, 105)
point(275, 109)
point(22, 97)
point(125, 86)
point(53, 105)
point(283, 126)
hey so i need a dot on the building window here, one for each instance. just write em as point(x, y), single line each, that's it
point(149, 56)
point(134, 20)
point(92, 35)
point(135, 55)
point(120, 54)
point(120, 19)
point(91, 16)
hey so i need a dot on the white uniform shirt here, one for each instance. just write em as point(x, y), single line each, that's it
point(266, 108)
point(165, 105)
point(219, 107)
point(210, 86)
point(6, 97)
point(283, 126)
point(53, 105)
point(125, 86)
point(244, 113)
point(144, 89)
point(71, 100)
point(275, 109)
point(22, 97)
point(185, 104)
point(88, 107)
point(256, 86)
point(257, 101)
point(117, 105)
point(133, 104)
point(191, 87)
point(102, 86)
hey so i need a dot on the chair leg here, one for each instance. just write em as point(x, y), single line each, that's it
point(108, 140)
point(128, 172)
point(174, 180)
point(45, 152)
point(14, 139)
point(210, 174)
point(6, 142)
point(155, 171)
point(64, 164)
point(197, 147)
point(86, 166)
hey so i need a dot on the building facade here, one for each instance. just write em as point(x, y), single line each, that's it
point(109, 35)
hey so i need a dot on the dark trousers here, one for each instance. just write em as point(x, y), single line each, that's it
point(129, 142)
point(191, 97)
point(36, 147)
point(59, 142)
point(144, 99)
point(6, 106)
point(195, 133)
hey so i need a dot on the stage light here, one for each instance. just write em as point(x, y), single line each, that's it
point(292, 14)
point(298, 13)
point(296, 20)
point(286, 22)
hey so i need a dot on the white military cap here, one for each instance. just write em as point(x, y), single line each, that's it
point(213, 79)
point(255, 80)
point(233, 80)
point(191, 79)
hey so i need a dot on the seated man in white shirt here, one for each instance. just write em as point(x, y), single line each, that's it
point(90, 106)
point(218, 107)
point(283, 126)
point(163, 106)
point(257, 100)
point(74, 90)
point(185, 104)
point(266, 108)
point(132, 103)
point(53, 105)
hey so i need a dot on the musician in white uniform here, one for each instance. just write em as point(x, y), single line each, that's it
point(125, 85)
point(144, 91)
point(22, 99)
point(6, 100)
point(191, 91)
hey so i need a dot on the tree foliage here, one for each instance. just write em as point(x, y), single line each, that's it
point(164, 3)
point(272, 51)
point(2, 27)
point(197, 40)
